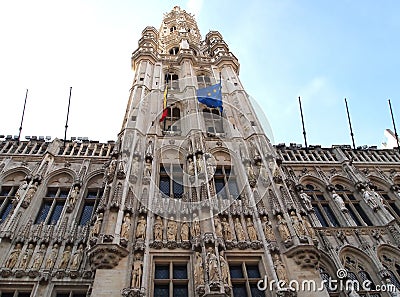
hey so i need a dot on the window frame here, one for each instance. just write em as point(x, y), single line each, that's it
point(172, 176)
point(52, 202)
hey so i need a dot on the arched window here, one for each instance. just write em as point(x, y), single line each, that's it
point(203, 81)
point(391, 261)
point(172, 122)
point(213, 121)
point(390, 201)
point(172, 29)
point(9, 188)
point(171, 180)
point(322, 207)
point(225, 182)
point(325, 277)
point(92, 196)
point(174, 51)
point(353, 206)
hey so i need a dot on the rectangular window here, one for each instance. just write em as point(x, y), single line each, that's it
point(52, 205)
point(171, 279)
point(171, 180)
point(244, 277)
point(92, 198)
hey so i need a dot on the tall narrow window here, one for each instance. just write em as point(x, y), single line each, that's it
point(213, 121)
point(226, 183)
point(90, 203)
point(6, 197)
point(203, 81)
point(173, 80)
point(244, 276)
point(390, 201)
point(171, 279)
point(52, 206)
point(172, 122)
point(171, 180)
point(322, 207)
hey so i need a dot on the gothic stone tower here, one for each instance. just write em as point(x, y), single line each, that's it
point(197, 204)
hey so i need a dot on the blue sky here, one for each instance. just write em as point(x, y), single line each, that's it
point(322, 51)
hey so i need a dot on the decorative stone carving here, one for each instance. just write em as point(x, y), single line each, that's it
point(251, 230)
point(30, 194)
point(195, 227)
point(141, 228)
point(126, 226)
point(172, 229)
point(95, 231)
point(73, 197)
point(267, 228)
point(77, 258)
point(369, 199)
point(26, 257)
point(190, 166)
point(297, 225)
point(106, 256)
point(51, 260)
point(212, 266)
point(339, 201)
point(184, 230)
point(306, 201)
point(66, 256)
point(309, 228)
point(283, 228)
point(226, 229)
point(199, 163)
point(280, 269)
point(148, 167)
point(111, 170)
point(22, 187)
point(38, 259)
point(13, 257)
point(137, 271)
point(251, 176)
point(225, 276)
point(158, 229)
point(239, 230)
point(218, 227)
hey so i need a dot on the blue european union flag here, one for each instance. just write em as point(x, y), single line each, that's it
point(211, 96)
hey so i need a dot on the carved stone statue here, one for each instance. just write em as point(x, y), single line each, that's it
point(31, 192)
point(306, 200)
point(210, 168)
point(51, 260)
point(172, 229)
point(135, 166)
point(225, 276)
point(198, 270)
point(196, 227)
point(297, 225)
point(38, 259)
point(190, 167)
point(26, 257)
point(263, 171)
point(141, 228)
point(184, 230)
point(126, 226)
point(77, 258)
point(199, 163)
point(267, 228)
point(369, 199)
point(137, 271)
point(250, 173)
point(13, 257)
point(148, 167)
point(212, 266)
point(65, 258)
point(218, 227)
point(280, 269)
point(97, 225)
point(111, 169)
point(227, 230)
point(251, 230)
point(73, 197)
point(239, 230)
point(22, 187)
point(309, 228)
point(283, 228)
point(158, 229)
point(339, 201)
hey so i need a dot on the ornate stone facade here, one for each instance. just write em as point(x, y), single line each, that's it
point(197, 204)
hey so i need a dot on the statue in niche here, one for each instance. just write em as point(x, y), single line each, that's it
point(158, 229)
point(149, 149)
point(51, 260)
point(65, 257)
point(251, 230)
point(212, 266)
point(339, 201)
point(263, 171)
point(126, 226)
point(137, 271)
point(184, 230)
point(190, 170)
point(210, 168)
point(135, 165)
point(198, 270)
point(227, 230)
point(297, 225)
point(225, 276)
point(13, 258)
point(218, 227)
point(97, 225)
point(141, 228)
point(111, 169)
point(306, 200)
point(283, 228)
point(77, 258)
point(250, 173)
point(378, 198)
point(199, 163)
point(369, 199)
point(195, 227)
point(26, 257)
point(172, 229)
point(309, 228)
point(267, 228)
point(38, 259)
point(280, 269)
point(31, 192)
point(74, 196)
point(148, 167)
point(239, 230)
point(22, 187)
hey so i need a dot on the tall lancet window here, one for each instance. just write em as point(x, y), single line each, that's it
point(171, 180)
point(172, 122)
point(213, 121)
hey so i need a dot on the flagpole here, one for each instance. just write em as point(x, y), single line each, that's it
point(351, 129)
point(394, 126)
point(302, 122)
point(66, 123)
point(23, 114)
